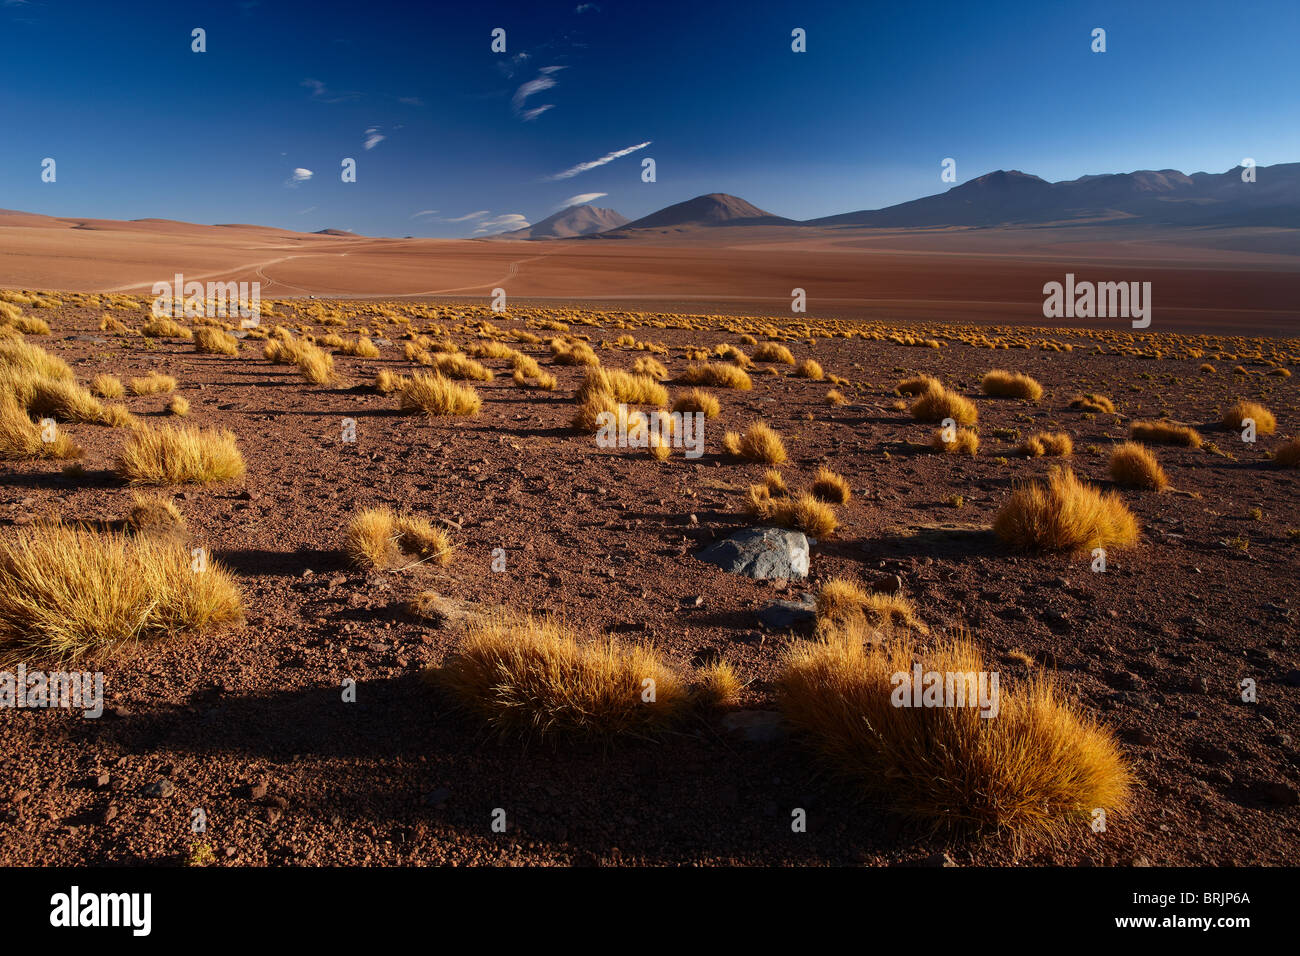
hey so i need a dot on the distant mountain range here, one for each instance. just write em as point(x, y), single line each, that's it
point(1163, 197)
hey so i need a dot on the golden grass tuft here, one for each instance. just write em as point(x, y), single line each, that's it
point(68, 593)
point(1235, 415)
point(1064, 514)
point(810, 370)
point(1133, 466)
point(1035, 772)
point(165, 328)
point(718, 686)
point(831, 487)
point(152, 384)
point(1092, 402)
point(758, 443)
point(623, 386)
point(1050, 444)
point(1165, 433)
point(154, 514)
point(179, 406)
point(775, 483)
point(378, 539)
point(965, 441)
point(773, 352)
point(937, 403)
point(107, 386)
point(802, 511)
point(918, 385)
point(22, 439)
point(651, 368)
point(435, 396)
point(167, 456)
point(1288, 455)
point(698, 400)
point(1004, 384)
point(719, 375)
point(210, 341)
point(529, 677)
point(841, 601)
point(387, 382)
point(836, 397)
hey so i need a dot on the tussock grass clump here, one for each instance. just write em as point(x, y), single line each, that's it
point(775, 483)
point(22, 439)
point(534, 678)
point(1288, 455)
point(435, 396)
point(758, 443)
point(378, 539)
point(26, 360)
point(68, 593)
point(965, 441)
point(625, 387)
point(458, 366)
point(107, 386)
point(573, 353)
point(1235, 415)
point(1034, 772)
point(65, 401)
point(831, 487)
point(841, 601)
point(210, 341)
point(586, 418)
point(1092, 402)
point(1064, 514)
point(918, 385)
point(178, 406)
point(773, 352)
point(698, 400)
point(1004, 384)
point(1133, 466)
point(650, 367)
point(718, 686)
point(1165, 433)
point(836, 397)
point(387, 382)
point(162, 327)
point(1050, 444)
point(168, 456)
point(802, 511)
point(810, 370)
point(154, 514)
point(719, 375)
point(152, 384)
point(938, 403)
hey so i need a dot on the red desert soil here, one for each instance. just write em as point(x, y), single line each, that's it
point(249, 725)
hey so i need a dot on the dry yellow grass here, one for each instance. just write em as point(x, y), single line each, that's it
point(1133, 466)
point(719, 685)
point(836, 397)
point(841, 601)
point(107, 386)
point(378, 539)
point(587, 417)
point(387, 382)
point(775, 483)
point(24, 359)
point(802, 511)
point(68, 593)
point(21, 439)
point(964, 441)
point(651, 368)
point(1064, 514)
point(178, 406)
point(212, 341)
point(458, 366)
point(1092, 402)
point(718, 375)
point(625, 387)
point(1036, 771)
point(1004, 384)
point(1050, 444)
point(758, 443)
point(831, 487)
point(1165, 433)
point(154, 514)
point(166, 456)
point(1235, 415)
point(918, 385)
point(773, 352)
point(528, 677)
point(809, 369)
point(937, 403)
point(152, 384)
point(698, 400)
point(435, 396)
point(165, 328)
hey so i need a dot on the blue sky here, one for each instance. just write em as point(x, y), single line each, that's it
point(140, 126)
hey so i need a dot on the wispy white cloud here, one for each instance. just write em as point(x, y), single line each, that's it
point(586, 8)
point(579, 200)
point(410, 101)
point(468, 216)
point(607, 158)
point(303, 212)
point(424, 212)
point(502, 223)
point(299, 176)
point(373, 138)
point(540, 83)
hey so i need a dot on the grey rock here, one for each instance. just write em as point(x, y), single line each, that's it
point(162, 787)
point(761, 553)
point(786, 615)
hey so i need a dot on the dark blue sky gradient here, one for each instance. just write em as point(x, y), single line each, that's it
point(141, 127)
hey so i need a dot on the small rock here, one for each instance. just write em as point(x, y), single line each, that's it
point(161, 788)
point(888, 584)
point(257, 790)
